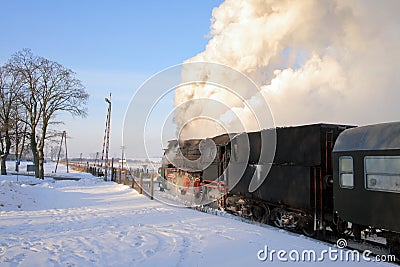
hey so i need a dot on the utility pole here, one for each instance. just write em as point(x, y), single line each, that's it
point(16, 142)
point(106, 142)
point(96, 161)
point(66, 150)
point(63, 138)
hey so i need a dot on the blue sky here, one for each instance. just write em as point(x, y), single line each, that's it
point(113, 46)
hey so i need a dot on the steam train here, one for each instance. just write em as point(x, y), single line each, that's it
point(322, 178)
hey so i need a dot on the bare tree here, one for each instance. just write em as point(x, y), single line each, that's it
point(25, 66)
point(20, 134)
point(49, 88)
point(10, 87)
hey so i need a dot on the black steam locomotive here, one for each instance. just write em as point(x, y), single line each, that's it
point(322, 177)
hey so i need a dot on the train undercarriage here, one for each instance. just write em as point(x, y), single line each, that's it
point(269, 213)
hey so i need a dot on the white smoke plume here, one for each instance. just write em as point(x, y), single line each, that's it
point(315, 61)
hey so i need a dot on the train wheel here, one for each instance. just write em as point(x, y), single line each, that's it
point(308, 228)
point(267, 214)
point(277, 217)
point(261, 213)
point(343, 228)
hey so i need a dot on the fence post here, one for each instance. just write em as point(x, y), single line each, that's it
point(152, 186)
point(140, 183)
point(125, 175)
point(133, 180)
point(119, 175)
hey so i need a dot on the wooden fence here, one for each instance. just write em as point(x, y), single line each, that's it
point(141, 179)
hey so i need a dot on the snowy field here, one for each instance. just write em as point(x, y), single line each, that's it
point(95, 223)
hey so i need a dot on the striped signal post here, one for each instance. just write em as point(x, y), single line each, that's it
point(106, 142)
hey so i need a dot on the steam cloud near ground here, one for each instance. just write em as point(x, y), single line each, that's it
point(315, 61)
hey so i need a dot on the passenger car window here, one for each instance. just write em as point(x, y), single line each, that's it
point(382, 173)
point(346, 176)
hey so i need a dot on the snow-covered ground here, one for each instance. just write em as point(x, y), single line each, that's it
point(95, 223)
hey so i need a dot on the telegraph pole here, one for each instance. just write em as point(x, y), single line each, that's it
point(96, 161)
point(63, 138)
